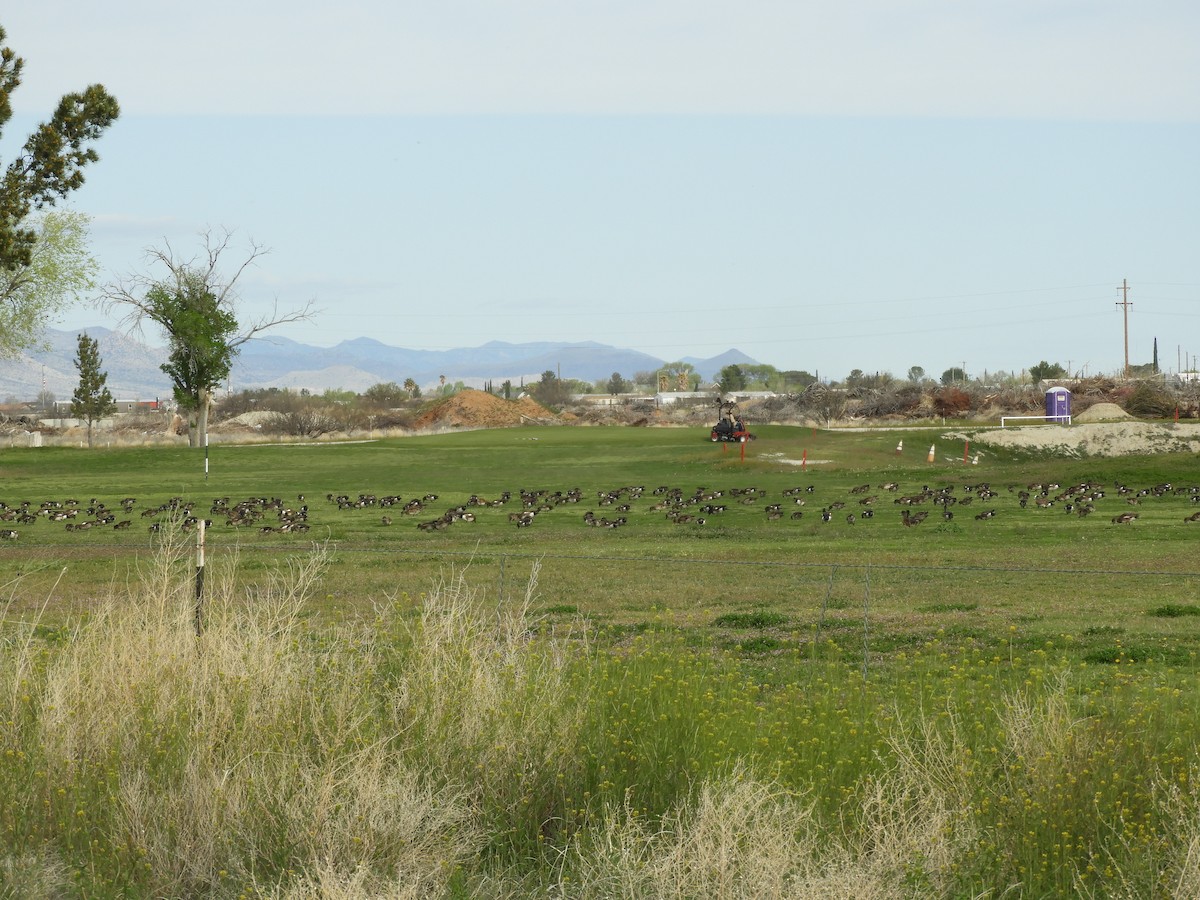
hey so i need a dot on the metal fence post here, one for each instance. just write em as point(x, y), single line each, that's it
point(199, 572)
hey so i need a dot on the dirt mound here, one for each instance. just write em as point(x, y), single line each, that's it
point(479, 409)
point(1095, 439)
point(1102, 412)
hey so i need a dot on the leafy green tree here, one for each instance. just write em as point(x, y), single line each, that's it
point(732, 378)
point(1045, 371)
point(916, 374)
point(796, 379)
point(60, 270)
point(337, 395)
point(385, 394)
point(617, 385)
point(953, 374)
point(92, 400)
point(550, 390)
point(645, 380)
point(195, 306)
point(759, 376)
point(200, 340)
point(411, 386)
point(48, 167)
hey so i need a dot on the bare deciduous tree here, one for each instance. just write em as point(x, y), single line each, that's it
point(195, 305)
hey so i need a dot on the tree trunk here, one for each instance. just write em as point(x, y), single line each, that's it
point(198, 436)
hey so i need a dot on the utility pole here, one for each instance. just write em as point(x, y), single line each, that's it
point(1125, 303)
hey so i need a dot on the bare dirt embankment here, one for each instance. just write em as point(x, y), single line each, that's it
point(479, 409)
point(1106, 431)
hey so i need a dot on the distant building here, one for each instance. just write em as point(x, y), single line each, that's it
point(683, 398)
point(63, 407)
point(611, 399)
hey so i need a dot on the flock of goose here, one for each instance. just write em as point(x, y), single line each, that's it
point(698, 507)
point(616, 507)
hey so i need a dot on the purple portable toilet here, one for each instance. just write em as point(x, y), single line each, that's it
point(1058, 405)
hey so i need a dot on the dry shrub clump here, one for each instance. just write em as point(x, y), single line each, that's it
point(1150, 400)
point(240, 745)
point(742, 838)
point(952, 401)
point(257, 754)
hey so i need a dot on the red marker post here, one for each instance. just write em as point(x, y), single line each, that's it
point(804, 462)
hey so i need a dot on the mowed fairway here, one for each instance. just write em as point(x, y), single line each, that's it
point(1045, 571)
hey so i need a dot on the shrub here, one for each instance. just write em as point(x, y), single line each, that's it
point(309, 422)
point(951, 401)
point(1174, 610)
point(1151, 400)
point(756, 619)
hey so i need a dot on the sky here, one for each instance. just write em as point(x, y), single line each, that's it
point(824, 186)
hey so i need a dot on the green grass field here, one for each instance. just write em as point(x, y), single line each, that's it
point(752, 706)
point(1045, 569)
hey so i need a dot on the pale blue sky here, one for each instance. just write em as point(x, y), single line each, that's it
point(874, 185)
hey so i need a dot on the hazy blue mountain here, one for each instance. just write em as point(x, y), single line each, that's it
point(133, 367)
point(710, 369)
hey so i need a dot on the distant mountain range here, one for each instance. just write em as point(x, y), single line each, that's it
point(133, 367)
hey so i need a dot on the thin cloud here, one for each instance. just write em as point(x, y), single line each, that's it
point(1018, 58)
